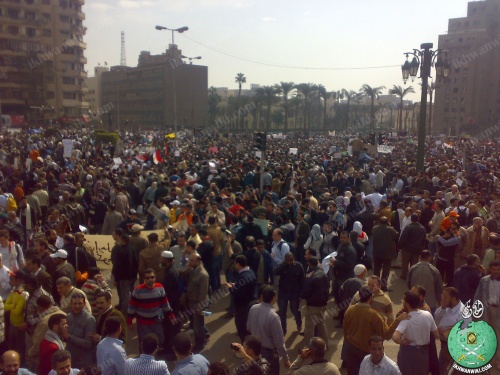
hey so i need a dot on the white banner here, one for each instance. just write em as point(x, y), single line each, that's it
point(68, 147)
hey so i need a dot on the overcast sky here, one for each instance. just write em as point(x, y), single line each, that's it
point(274, 40)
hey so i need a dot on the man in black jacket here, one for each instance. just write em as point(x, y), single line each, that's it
point(315, 293)
point(343, 264)
point(411, 243)
point(243, 291)
point(291, 280)
point(170, 283)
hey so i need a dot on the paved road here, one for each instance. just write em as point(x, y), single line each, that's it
point(223, 332)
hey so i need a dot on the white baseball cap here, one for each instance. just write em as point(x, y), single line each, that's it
point(63, 254)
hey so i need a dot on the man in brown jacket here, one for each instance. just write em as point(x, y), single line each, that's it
point(478, 238)
point(150, 257)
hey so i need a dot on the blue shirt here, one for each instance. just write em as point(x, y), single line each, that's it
point(145, 364)
point(111, 356)
point(21, 371)
point(193, 365)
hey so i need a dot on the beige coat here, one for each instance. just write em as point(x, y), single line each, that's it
point(485, 233)
point(40, 331)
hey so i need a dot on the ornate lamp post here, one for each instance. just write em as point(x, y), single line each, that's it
point(424, 58)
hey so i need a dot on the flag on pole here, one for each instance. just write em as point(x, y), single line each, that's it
point(170, 136)
point(157, 157)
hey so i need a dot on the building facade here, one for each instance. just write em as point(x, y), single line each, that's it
point(42, 58)
point(159, 91)
point(93, 93)
point(469, 101)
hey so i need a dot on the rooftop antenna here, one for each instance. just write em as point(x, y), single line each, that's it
point(123, 59)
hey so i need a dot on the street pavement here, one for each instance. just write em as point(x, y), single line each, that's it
point(223, 331)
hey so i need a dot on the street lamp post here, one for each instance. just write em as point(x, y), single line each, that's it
point(179, 30)
point(424, 59)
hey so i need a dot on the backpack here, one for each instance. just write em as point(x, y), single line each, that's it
point(462, 216)
point(10, 204)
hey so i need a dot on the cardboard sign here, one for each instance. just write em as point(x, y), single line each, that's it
point(68, 147)
point(294, 150)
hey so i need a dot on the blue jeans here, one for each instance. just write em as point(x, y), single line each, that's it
point(145, 329)
point(283, 299)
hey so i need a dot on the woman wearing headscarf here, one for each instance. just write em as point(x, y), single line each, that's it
point(315, 239)
point(362, 236)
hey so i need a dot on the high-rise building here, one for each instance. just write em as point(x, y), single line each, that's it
point(162, 89)
point(42, 58)
point(469, 101)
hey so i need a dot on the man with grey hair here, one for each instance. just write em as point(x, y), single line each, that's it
point(66, 291)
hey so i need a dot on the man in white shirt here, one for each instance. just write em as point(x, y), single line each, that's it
point(406, 219)
point(413, 336)
point(446, 316)
point(280, 248)
point(377, 362)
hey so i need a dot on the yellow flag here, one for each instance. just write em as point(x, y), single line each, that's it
point(170, 136)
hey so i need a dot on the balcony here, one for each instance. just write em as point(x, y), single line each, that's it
point(80, 15)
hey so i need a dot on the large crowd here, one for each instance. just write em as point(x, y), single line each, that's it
point(317, 229)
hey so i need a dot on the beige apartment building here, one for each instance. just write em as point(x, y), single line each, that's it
point(469, 102)
point(42, 62)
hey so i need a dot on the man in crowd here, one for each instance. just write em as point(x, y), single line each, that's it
point(411, 243)
point(149, 305)
point(253, 362)
point(66, 291)
point(146, 363)
point(319, 364)
point(106, 311)
point(290, 285)
point(10, 363)
point(187, 362)
point(263, 322)
point(110, 353)
point(377, 359)
point(52, 342)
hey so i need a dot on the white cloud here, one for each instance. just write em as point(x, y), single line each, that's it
point(99, 6)
point(268, 19)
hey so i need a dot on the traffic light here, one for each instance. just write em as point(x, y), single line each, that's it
point(381, 138)
point(259, 141)
point(372, 138)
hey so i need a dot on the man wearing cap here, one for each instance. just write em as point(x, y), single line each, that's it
point(349, 288)
point(63, 269)
point(129, 222)
point(170, 282)
point(150, 257)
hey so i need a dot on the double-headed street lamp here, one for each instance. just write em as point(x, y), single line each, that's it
point(191, 58)
point(179, 30)
point(424, 59)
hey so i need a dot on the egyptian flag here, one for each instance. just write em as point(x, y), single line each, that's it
point(141, 158)
point(157, 157)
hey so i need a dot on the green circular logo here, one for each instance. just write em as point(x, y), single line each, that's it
point(474, 346)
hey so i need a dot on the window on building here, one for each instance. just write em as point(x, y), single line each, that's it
point(17, 94)
point(32, 47)
point(64, 19)
point(30, 2)
point(69, 95)
point(68, 81)
point(46, 16)
point(455, 89)
point(29, 15)
point(63, 4)
point(31, 32)
point(47, 32)
point(13, 13)
point(15, 45)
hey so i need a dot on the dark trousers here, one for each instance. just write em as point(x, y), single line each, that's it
point(283, 299)
point(413, 360)
point(198, 326)
point(336, 284)
point(353, 358)
point(273, 358)
point(445, 268)
point(240, 320)
point(408, 260)
point(383, 265)
point(214, 273)
point(170, 330)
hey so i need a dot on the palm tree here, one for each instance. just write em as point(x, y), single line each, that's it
point(240, 79)
point(324, 95)
point(373, 93)
point(213, 100)
point(306, 89)
point(295, 103)
point(348, 95)
point(285, 88)
point(401, 92)
point(258, 99)
point(269, 95)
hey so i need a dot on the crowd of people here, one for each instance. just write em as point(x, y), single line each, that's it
point(318, 230)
